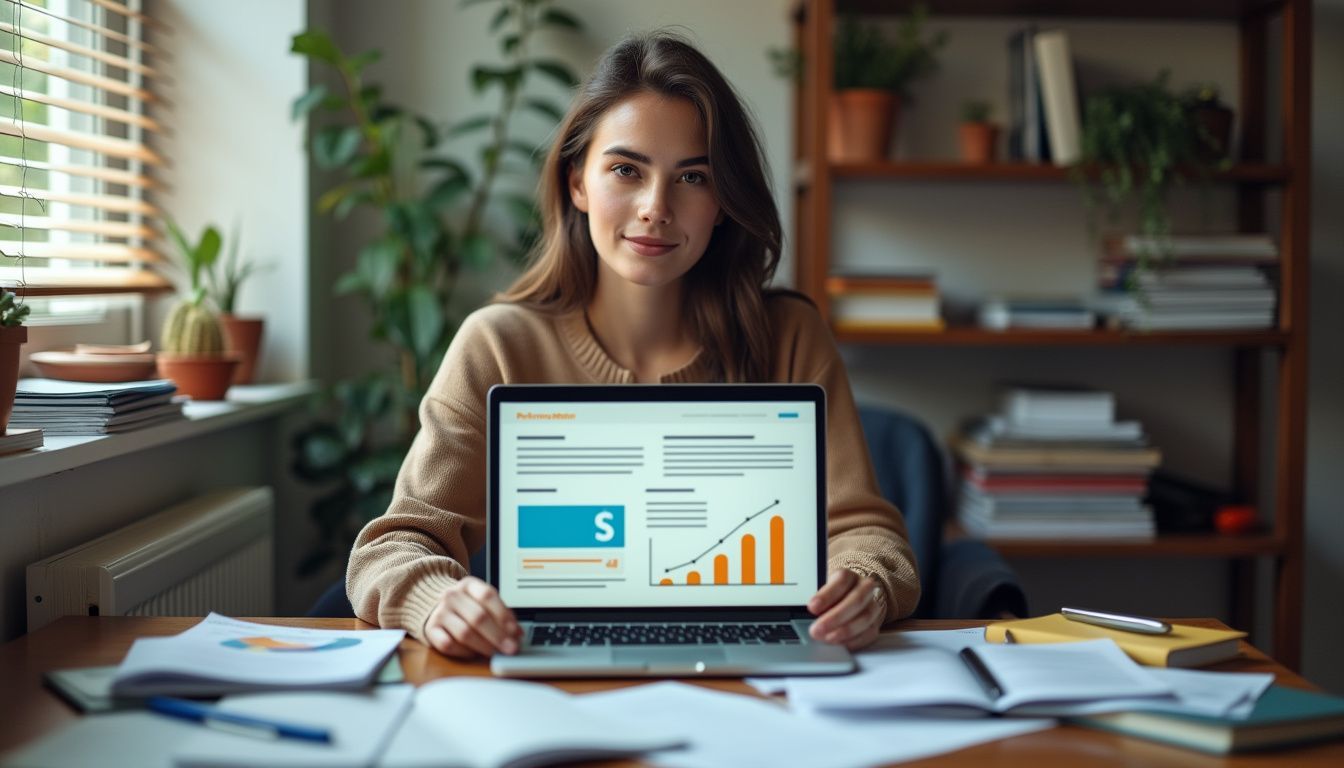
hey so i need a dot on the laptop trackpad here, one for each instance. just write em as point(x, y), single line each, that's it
point(659, 657)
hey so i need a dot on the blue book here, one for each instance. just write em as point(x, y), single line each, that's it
point(1282, 717)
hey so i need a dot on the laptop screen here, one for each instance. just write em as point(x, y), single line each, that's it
point(657, 496)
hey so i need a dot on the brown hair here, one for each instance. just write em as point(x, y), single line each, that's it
point(724, 299)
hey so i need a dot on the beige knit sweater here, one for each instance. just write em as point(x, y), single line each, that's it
point(402, 562)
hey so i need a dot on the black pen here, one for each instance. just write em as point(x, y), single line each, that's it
point(982, 673)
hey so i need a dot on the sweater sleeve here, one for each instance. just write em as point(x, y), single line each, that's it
point(866, 532)
point(402, 562)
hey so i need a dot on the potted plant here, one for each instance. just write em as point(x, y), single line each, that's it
point(12, 336)
point(1137, 142)
point(242, 335)
point(979, 137)
point(192, 341)
point(872, 79)
point(1212, 120)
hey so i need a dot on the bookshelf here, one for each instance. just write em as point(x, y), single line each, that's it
point(1259, 172)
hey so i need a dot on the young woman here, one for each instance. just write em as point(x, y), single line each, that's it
point(660, 234)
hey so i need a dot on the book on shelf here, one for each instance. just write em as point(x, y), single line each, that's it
point(1007, 484)
point(1182, 276)
point(1184, 646)
point(1281, 717)
point(1026, 119)
point(1075, 529)
point(996, 430)
point(1059, 95)
point(1233, 248)
point(1036, 313)
point(1060, 407)
point(16, 439)
point(1060, 459)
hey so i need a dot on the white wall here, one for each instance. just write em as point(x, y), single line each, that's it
point(236, 156)
point(1025, 238)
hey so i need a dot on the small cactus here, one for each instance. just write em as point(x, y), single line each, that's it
point(192, 329)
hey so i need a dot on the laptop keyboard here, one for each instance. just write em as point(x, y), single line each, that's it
point(772, 633)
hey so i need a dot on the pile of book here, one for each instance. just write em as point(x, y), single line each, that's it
point(1055, 464)
point(78, 408)
point(1194, 282)
point(1057, 314)
point(888, 302)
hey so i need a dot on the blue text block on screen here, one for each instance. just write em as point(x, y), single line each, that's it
point(571, 526)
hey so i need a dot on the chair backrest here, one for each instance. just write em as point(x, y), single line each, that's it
point(912, 474)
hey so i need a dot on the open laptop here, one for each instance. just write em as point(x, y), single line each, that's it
point(659, 530)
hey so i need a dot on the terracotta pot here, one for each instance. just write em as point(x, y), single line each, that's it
point(1215, 120)
point(200, 377)
point(242, 335)
point(860, 123)
point(10, 340)
point(979, 143)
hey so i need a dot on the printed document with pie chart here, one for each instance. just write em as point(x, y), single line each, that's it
point(632, 504)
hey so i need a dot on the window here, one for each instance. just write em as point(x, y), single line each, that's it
point(75, 91)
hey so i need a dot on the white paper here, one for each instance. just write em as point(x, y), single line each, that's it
point(484, 723)
point(950, 639)
point(731, 729)
point(221, 655)
point(1212, 694)
point(360, 723)
point(133, 739)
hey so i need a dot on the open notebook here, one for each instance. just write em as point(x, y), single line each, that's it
point(1018, 679)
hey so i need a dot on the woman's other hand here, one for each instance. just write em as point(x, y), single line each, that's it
point(471, 620)
point(849, 610)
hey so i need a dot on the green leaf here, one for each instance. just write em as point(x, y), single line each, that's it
point(522, 209)
point(358, 63)
point(350, 282)
point(470, 124)
point(208, 249)
point(508, 77)
point(545, 107)
point(446, 192)
point(426, 319)
point(321, 450)
point(478, 251)
point(308, 101)
point(335, 145)
point(556, 17)
point(429, 131)
point(332, 197)
point(509, 43)
point(373, 165)
point(377, 264)
point(522, 149)
point(449, 165)
point(501, 16)
point(348, 204)
point(316, 45)
point(557, 71)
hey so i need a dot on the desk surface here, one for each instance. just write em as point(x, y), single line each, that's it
point(28, 710)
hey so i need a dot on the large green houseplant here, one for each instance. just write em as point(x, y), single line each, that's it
point(434, 223)
point(12, 336)
point(873, 74)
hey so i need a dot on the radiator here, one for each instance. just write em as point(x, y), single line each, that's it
point(212, 553)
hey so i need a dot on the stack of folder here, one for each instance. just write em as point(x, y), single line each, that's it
point(76, 408)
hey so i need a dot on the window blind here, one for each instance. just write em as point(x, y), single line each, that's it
point(77, 83)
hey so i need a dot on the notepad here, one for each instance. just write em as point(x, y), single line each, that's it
point(1184, 646)
point(1033, 679)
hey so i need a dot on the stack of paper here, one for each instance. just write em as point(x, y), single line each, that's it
point(1056, 464)
point(15, 440)
point(79, 408)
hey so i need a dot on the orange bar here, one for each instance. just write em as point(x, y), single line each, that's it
point(693, 577)
point(748, 559)
point(776, 550)
point(665, 583)
point(720, 569)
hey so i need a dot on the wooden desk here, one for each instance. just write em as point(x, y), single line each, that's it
point(27, 709)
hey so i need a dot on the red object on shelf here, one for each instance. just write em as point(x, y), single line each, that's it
point(1234, 519)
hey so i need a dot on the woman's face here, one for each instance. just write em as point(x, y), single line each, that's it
point(646, 187)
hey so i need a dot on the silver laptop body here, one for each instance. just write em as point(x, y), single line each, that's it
point(659, 530)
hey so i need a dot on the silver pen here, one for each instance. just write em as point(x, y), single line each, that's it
point(1123, 622)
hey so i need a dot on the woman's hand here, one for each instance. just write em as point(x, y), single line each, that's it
point(471, 620)
point(850, 609)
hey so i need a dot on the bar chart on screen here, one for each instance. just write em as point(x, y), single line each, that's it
point(731, 559)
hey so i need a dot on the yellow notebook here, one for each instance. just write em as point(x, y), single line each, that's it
point(1185, 646)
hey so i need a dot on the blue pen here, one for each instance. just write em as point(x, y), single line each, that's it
point(246, 725)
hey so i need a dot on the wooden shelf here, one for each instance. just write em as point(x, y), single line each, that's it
point(980, 337)
point(1230, 10)
point(1250, 174)
point(1170, 545)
